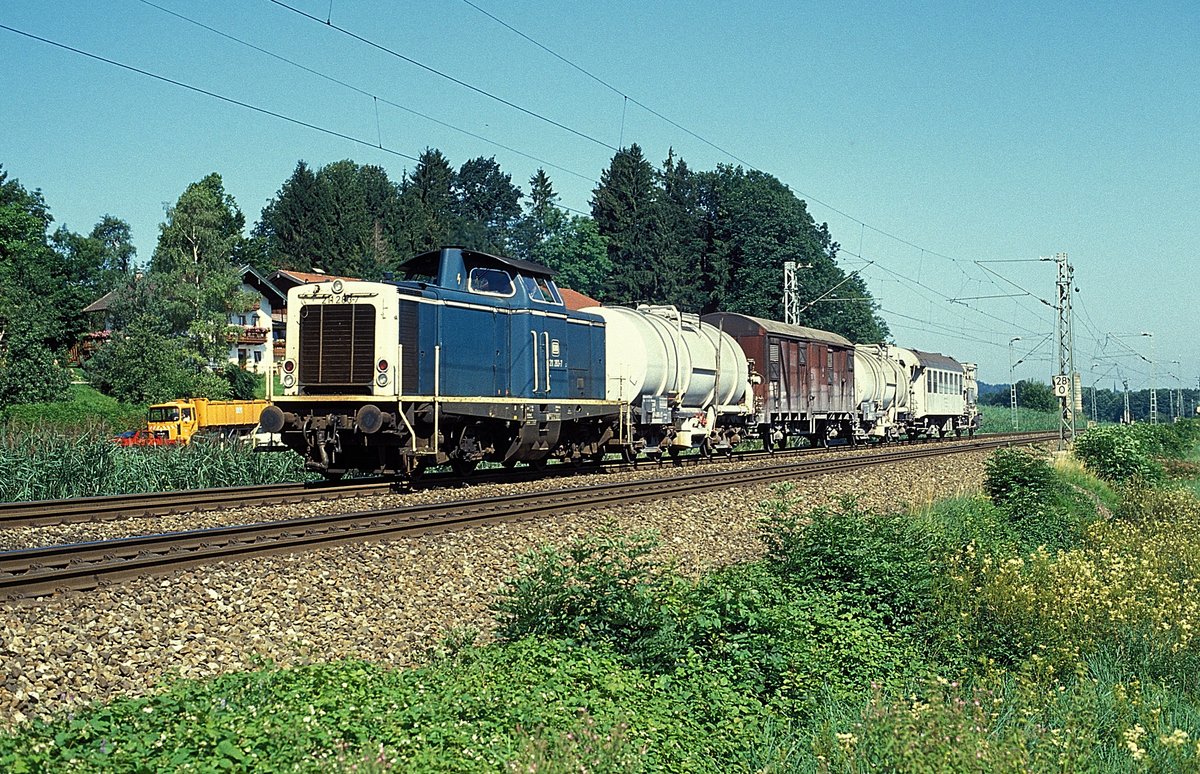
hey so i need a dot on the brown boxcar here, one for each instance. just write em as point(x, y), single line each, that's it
point(805, 384)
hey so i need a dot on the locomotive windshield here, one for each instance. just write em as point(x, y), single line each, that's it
point(541, 289)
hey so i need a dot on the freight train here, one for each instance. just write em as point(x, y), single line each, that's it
point(471, 357)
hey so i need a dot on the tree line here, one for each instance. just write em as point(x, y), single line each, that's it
point(1100, 404)
point(702, 240)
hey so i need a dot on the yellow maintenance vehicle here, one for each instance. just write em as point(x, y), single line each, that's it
point(177, 422)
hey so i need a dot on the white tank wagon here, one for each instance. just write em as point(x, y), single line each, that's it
point(682, 379)
point(881, 392)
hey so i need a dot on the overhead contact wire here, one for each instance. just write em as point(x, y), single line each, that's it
point(447, 76)
point(206, 92)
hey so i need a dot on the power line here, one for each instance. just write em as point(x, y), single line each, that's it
point(363, 92)
point(607, 85)
point(626, 98)
point(682, 128)
point(440, 74)
point(208, 93)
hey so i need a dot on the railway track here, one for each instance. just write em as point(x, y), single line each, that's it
point(49, 513)
point(41, 571)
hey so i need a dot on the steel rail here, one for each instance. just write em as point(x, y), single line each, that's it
point(42, 513)
point(49, 513)
point(40, 571)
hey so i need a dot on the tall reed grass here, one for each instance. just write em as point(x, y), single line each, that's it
point(38, 466)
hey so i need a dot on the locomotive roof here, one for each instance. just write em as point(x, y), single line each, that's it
point(428, 263)
point(755, 325)
point(937, 360)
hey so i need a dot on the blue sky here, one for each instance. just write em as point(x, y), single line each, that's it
point(929, 136)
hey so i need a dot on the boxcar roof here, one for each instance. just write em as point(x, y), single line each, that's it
point(745, 324)
point(938, 360)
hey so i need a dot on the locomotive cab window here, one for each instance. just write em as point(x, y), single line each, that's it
point(492, 282)
point(542, 290)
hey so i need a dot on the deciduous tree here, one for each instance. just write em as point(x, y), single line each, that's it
point(193, 265)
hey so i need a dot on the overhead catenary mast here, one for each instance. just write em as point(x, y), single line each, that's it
point(1064, 381)
point(791, 297)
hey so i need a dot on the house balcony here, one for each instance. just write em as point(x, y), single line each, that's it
point(248, 336)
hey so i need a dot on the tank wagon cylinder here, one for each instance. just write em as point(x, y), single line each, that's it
point(878, 378)
point(656, 352)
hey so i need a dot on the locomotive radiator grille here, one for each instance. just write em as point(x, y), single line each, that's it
point(337, 345)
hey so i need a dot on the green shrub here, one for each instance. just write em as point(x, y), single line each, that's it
point(879, 562)
point(1035, 499)
point(1169, 441)
point(243, 385)
point(84, 411)
point(1014, 476)
point(793, 647)
point(1116, 453)
point(600, 590)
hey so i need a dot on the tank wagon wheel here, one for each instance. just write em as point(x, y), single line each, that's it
point(509, 464)
point(463, 467)
point(706, 452)
point(628, 455)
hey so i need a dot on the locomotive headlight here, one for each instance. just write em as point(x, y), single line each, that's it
point(289, 380)
point(381, 380)
point(382, 365)
point(336, 287)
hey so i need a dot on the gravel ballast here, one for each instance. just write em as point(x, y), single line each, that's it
point(387, 602)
